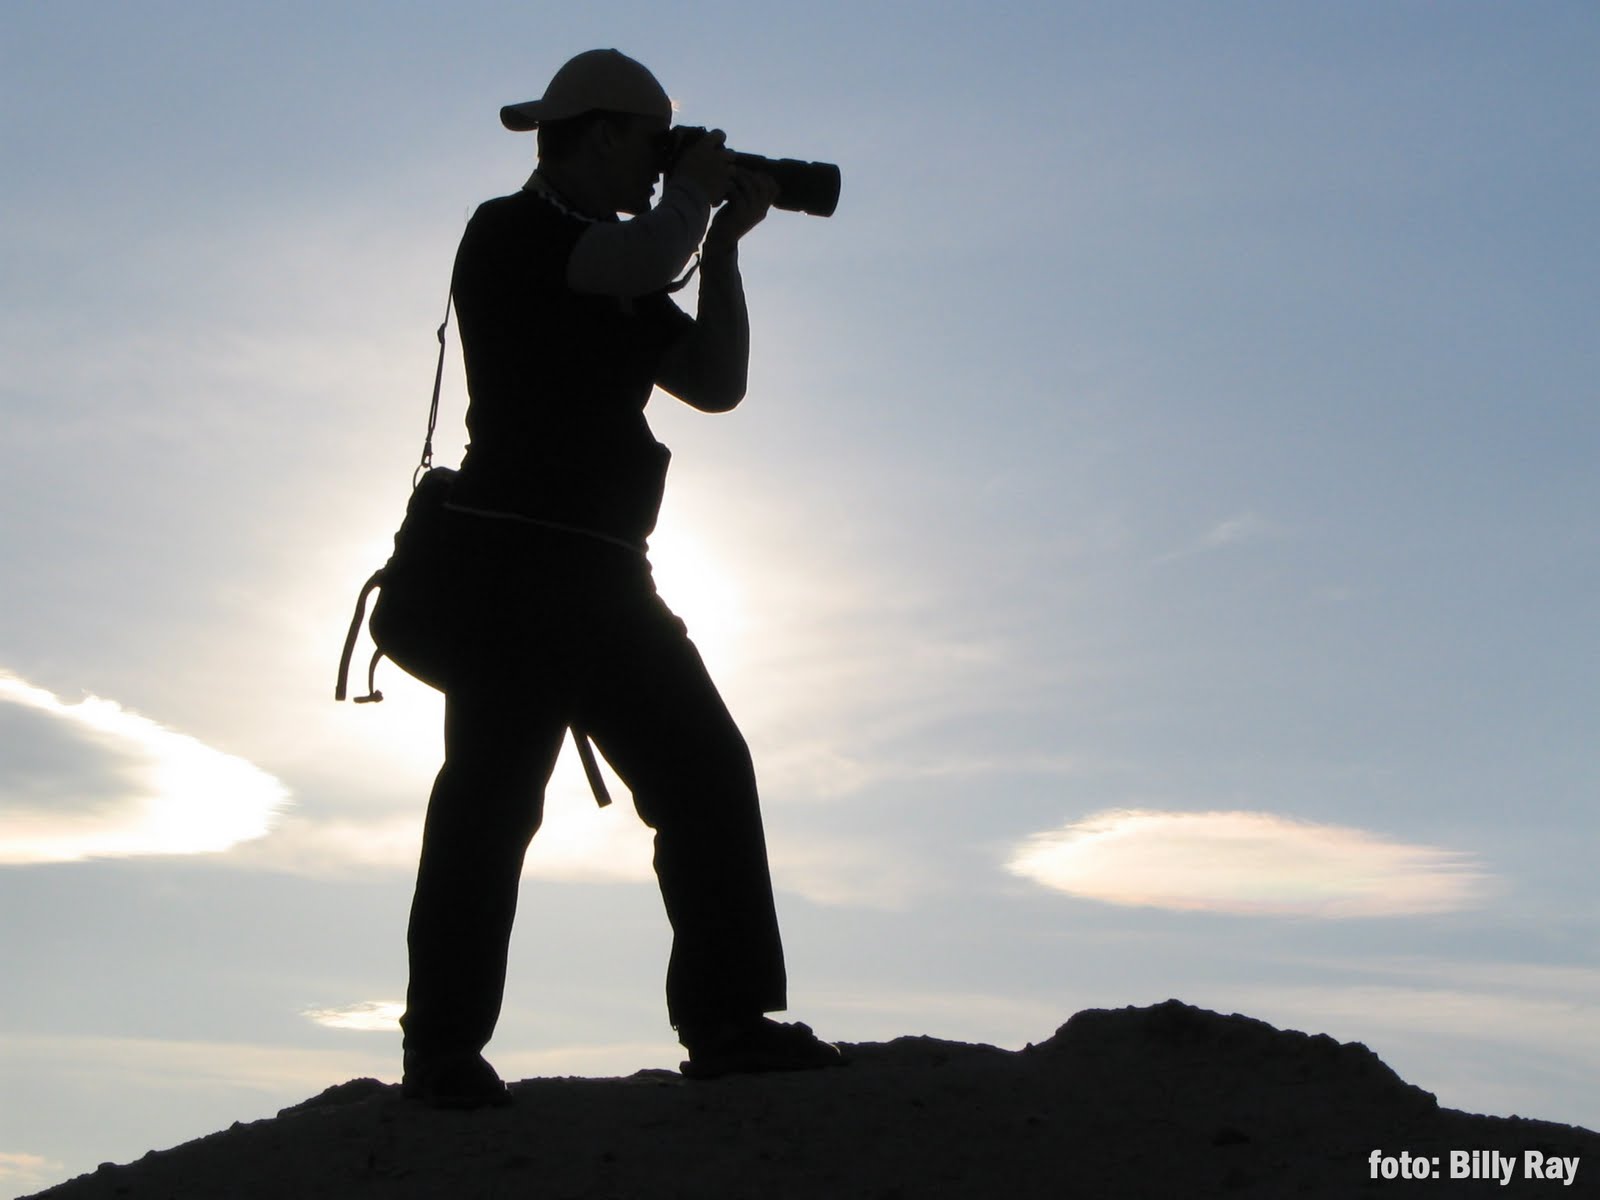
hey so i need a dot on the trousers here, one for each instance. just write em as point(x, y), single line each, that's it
point(563, 631)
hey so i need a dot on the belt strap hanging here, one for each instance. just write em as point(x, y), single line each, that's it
point(591, 768)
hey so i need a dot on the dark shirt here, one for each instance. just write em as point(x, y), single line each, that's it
point(557, 379)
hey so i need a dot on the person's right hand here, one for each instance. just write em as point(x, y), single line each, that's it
point(708, 165)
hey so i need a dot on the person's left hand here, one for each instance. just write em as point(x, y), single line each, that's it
point(750, 196)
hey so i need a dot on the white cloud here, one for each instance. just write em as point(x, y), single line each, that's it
point(1230, 531)
point(1248, 863)
point(1240, 527)
point(370, 1016)
point(117, 783)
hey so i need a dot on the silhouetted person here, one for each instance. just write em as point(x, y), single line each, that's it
point(566, 326)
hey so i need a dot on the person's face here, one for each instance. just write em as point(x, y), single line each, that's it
point(634, 160)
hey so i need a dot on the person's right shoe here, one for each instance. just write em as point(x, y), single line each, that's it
point(459, 1080)
point(753, 1046)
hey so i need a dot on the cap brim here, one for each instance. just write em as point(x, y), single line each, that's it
point(519, 118)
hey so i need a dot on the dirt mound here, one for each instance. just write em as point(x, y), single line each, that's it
point(1166, 1101)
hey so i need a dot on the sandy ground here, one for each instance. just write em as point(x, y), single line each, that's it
point(1168, 1101)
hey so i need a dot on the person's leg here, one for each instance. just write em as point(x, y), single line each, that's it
point(656, 715)
point(486, 805)
point(659, 719)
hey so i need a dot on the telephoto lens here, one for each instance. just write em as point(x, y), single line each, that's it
point(808, 187)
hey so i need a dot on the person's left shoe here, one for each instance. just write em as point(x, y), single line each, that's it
point(731, 1048)
point(458, 1081)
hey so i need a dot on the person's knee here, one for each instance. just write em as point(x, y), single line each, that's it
point(488, 802)
point(708, 796)
point(733, 755)
point(720, 765)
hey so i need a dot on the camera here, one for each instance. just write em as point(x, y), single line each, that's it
point(808, 187)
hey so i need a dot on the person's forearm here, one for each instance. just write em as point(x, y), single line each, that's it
point(722, 317)
point(637, 257)
point(722, 327)
point(708, 367)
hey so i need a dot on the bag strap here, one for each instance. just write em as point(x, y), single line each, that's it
point(341, 688)
point(586, 754)
point(426, 464)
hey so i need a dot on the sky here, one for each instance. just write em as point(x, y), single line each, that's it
point(1156, 557)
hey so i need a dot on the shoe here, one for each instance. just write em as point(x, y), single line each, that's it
point(459, 1080)
point(752, 1046)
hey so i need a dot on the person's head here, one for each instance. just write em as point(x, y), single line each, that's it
point(599, 123)
point(615, 154)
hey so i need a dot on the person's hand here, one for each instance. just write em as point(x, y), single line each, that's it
point(750, 197)
point(706, 163)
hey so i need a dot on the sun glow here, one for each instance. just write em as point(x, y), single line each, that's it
point(407, 728)
point(399, 744)
point(695, 584)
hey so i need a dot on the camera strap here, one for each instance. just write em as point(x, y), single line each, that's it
point(677, 285)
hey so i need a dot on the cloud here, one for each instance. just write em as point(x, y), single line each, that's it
point(1247, 863)
point(92, 779)
point(1230, 531)
point(1240, 527)
point(370, 1016)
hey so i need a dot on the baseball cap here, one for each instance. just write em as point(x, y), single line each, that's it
point(605, 79)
